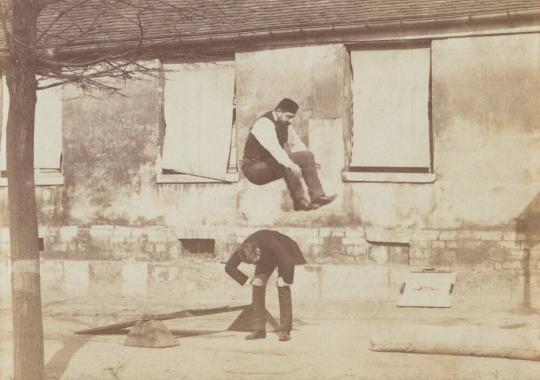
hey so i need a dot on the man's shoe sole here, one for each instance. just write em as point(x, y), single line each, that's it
point(284, 338)
point(326, 202)
point(255, 337)
point(310, 207)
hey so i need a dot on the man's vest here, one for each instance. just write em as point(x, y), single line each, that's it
point(255, 151)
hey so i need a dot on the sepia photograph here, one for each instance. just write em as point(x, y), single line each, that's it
point(270, 189)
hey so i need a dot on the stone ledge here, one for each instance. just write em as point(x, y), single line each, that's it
point(187, 179)
point(55, 179)
point(389, 177)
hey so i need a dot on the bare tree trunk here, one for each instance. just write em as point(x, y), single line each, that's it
point(26, 292)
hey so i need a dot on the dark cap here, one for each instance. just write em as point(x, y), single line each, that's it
point(288, 105)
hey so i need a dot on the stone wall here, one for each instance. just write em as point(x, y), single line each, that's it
point(493, 268)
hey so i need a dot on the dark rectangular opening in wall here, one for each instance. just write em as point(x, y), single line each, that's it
point(397, 252)
point(41, 245)
point(198, 246)
point(389, 243)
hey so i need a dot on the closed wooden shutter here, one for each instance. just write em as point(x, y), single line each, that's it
point(199, 117)
point(390, 108)
point(47, 129)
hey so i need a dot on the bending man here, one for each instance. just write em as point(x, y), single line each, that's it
point(273, 150)
point(267, 250)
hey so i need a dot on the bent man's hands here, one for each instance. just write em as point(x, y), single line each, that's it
point(296, 170)
point(281, 282)
point(256, 281)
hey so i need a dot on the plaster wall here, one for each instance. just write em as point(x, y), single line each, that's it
point(486, 156)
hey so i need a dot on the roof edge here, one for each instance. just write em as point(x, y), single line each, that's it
point(310, 31)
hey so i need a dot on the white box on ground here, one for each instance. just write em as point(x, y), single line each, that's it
point(427, 288)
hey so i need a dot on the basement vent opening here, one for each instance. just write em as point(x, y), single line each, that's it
point(389, 244)
point(198, 246)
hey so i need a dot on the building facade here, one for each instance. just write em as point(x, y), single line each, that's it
point(427, 132)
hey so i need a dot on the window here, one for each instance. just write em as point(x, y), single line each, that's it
point(47, 136)
point(391, 138)
point(199, 143)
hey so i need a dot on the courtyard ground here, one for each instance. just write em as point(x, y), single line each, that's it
point(331, 340)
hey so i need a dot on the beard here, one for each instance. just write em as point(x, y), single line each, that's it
point(253, 257)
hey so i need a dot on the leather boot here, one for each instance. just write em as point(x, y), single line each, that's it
point(324, 200)
point(285, 312)
point(304, 205)
point(258, 309)
point(255, 335)
point(284, 335)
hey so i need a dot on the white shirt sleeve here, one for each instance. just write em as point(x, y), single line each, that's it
point(295, 143)
point(265, 133)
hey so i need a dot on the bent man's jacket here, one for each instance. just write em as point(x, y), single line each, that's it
point(277, 250)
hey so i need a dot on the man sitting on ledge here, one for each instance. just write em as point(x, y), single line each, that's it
point(273, 150)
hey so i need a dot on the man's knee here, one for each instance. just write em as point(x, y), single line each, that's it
point(305, 157)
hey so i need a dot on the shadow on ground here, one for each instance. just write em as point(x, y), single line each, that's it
point(56, 367)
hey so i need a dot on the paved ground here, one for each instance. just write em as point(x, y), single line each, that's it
point(331, 341)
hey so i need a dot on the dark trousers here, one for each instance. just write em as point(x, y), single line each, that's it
point(258, 305)
point(263, 172)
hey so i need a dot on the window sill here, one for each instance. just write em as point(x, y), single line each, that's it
point(389, 177)
point(186, 178)
point(53, 179)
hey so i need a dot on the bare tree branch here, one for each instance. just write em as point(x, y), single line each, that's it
point(91, 69)
point(58, 17)
point(45, 3)
point(92, 77)
point(83, 32)
point(123, 65)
